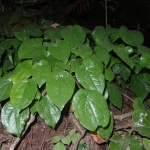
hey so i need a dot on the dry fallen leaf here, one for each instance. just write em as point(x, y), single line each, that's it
point(97, 138)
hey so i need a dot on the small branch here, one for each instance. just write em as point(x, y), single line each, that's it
point(127, 97)
point(17, 140)
point(77, 143)
point(121, 117)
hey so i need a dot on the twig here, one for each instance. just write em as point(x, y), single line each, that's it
point(121, 117)
point(32, 118)
point(77, 143)
point(127, 97)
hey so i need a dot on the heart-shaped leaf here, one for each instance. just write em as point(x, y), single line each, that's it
point(22, 93)
point(32, 48)
point(13, 120)
point(60, 50)
point(90, 76)
point(74, 35)
point(60, 87)
point(40, 71)
point(5, 86)
point(48, 111)
point(93, 109)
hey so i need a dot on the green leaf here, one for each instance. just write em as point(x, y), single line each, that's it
point(115, 95)
point(74, 63)
point(98, 61)
point(141, 121)
point(66, 140)
point(5, 86)
point(60, 50)
point(56, 139)
point(75, 137)
point(106, 131)
point(32, 48)
point(59, 146)
point(81, 51)
point(115, 35)
point(138, 104)
point(23, 70)
point(144, 50)
point(90, 76)
point(120, 50)
point(146, 143)
point(109, 75)
point(34, 106)
point(22, 93)
point(60, 87)
point(119, 142)
point(15, 42)
point(131, 37)
point(91, 109)
point(139, 86)
point(21, 35)
point(48, 111)
point(40, 71)
point(13, 120)
point(145, 61)
point(102, 54)
point(52, 34)
point(33, 29)
point(146, 74)
point(4, 45)
point(74, 35)
point(121, 69)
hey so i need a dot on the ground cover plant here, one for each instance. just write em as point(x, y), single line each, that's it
point(45, 67)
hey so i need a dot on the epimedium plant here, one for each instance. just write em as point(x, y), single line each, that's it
point(39, 59)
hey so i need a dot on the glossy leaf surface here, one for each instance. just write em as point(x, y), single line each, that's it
point(93, 109)
point(60, 87)
point(40, 71)
point(60, 50)
point(12, 120)
point(22, 93)
point(90, 76)
point(48, 111)
point(5, 86)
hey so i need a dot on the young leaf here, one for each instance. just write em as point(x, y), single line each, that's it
point(60, 87)
point(139, 86)
point(32, 48)
point(13, 120)
point(93, 109)
point(60, 50)
point(74, 35)
point(56, 139)
point(115, 95)
point(59, 146)
point(40, 71)
point(22, 93)
point(146, 143)
point(48, 111)
point(66, 140)
point(90, 76)
point(5, 86)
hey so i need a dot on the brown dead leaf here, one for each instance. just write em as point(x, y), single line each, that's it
point(97, 138)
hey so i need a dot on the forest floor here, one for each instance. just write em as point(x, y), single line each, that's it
point(39, 134)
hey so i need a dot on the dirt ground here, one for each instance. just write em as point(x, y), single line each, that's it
point(39, 134)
